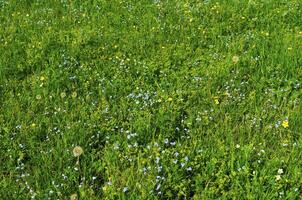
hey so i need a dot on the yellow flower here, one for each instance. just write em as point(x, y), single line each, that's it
point(170, 99)
point(77, 151)
point(235, 59)
point(42, 78)
point(285, 124)
point(105, 188)
point(216, 100)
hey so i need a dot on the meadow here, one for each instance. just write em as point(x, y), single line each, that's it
point(150, 99)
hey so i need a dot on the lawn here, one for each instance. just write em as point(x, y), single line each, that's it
point(150, 99)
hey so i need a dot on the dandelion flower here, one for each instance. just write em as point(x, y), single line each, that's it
point(285, 124)
point(216, 100)
point(77, 151)
point(235, 59)
point(74, 197)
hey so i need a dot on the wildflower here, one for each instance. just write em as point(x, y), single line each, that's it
point(284, 144)
point(278, 177)
point(63, 95)
point(285, 123)
point(105, 188)
point(125, 189)
point(74, 197)
point(172, 143)
point(235, 59)
point(74, 95)
point(237, 146)
point(170, 99)
point(38, 97)
point(216, 100)
point(280, 171)
point(42, 78)
point(77, 151)
point(159, 169)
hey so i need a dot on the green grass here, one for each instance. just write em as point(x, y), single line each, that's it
point(151, 92)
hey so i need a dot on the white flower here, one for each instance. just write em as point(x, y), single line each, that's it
point(125, 189)
point(172, 143)
point(280, 171)
point(278, 177)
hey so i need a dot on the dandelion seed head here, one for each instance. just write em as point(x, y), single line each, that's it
point(235, 59)
point(77, 151)
point(74, 197)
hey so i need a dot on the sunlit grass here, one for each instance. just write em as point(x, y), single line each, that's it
point(150, 99)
